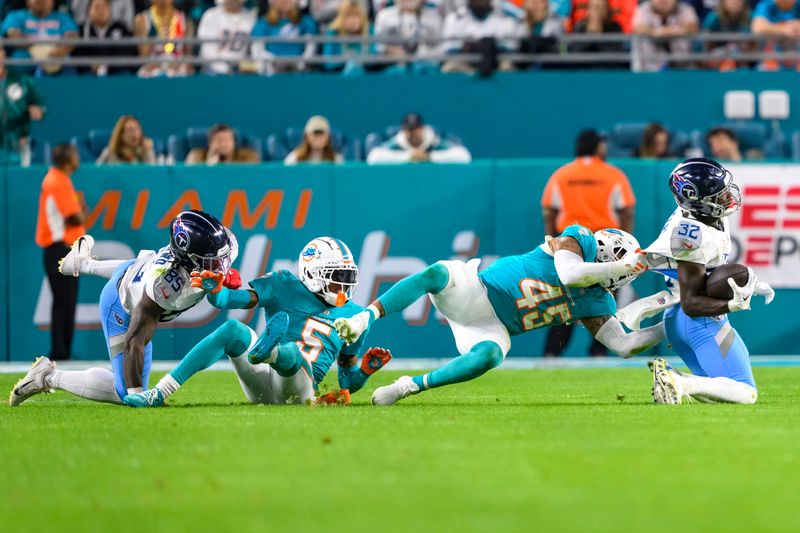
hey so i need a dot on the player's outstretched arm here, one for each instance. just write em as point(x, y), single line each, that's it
point(353, 375)
point(609, 332)
point(143, 324)
point(573, 271)
point(695, 303)
point(221, 296)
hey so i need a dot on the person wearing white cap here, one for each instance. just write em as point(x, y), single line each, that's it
point(317, 146)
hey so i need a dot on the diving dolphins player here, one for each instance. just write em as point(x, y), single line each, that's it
point(565, 279)
point(141, 293)
point(290, 359)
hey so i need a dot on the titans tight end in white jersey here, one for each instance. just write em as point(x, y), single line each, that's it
point(167, 283)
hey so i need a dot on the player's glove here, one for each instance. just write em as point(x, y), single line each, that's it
point(374, 360)
point(763, 289)
point(337, 397)
point(742, 295)
point(635, 262)
point(208, 281)
point(232, 280)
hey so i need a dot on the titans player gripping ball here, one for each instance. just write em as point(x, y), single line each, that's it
point(141, 294)
point(299, 345)
point(694, 241)
point(566, 279)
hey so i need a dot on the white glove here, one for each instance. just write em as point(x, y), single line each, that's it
point(742, 295)
point(763, 289)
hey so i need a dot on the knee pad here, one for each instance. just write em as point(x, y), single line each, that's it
point(435, 277)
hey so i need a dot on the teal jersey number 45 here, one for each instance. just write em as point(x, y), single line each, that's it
point(310, 320)
point(526, 294)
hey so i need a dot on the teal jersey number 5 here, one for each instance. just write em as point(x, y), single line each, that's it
point(526, 293)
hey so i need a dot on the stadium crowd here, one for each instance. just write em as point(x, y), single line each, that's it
point(426, 31)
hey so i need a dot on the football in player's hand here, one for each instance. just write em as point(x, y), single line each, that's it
point(717, 282)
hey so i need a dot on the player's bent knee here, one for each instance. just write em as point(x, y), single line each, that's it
point(491, 355)
point(237, 337)
point(435, 277)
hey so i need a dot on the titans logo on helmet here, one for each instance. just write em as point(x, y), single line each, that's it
point(181, 235)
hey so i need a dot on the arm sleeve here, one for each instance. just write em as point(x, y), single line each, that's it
point(384, 154)
point(612, 335)
point(453, 154)
point(264, 289)
point(573, 271)
point(230, 298)
point(585, 239)
point(352, 378)
point(12, 22)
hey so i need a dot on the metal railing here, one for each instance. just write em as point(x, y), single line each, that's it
point(560, 50)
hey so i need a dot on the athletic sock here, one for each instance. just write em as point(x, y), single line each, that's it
point(483, 357)
point(168, 386)
point(719, 389)
point(103, 269)
point(95, 384)
point(408, 290)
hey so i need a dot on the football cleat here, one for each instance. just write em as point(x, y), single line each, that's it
point(70, 264)
point(34, 382)
point(667, 386)
point(261, 352)
point(149, 398)
point(391, 394)
point(350, 329)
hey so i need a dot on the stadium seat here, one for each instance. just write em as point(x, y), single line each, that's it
point(179, 146)
point(95, 141)
point(279, 146)
point(41, 152)
point(795, 142)
point(752, 136)
point(625, 138)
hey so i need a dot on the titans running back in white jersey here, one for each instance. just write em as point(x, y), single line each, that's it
point(685, 238)
point(166, 283)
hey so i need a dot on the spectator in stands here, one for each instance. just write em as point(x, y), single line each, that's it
point(779, 19)
point(724, 144)
point(20, 103)
point(541, 21)
point(410, 20)
point(351, 21)
point(415, 143)
point(40, 22)
point(598, 20)
point(221, 149)
point(128, 143)
point(284, 19)
point(590, 192)
point(59, 224)
point(464, 27)
point(667, 21)
point(730, 16)
point(621, 11)
point(122, 11)
point(655, 143)
point(326, 11)
point(100, 25)
point(230, 21)
point(165, 21)
point(316, 146)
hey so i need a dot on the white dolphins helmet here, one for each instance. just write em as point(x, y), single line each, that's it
point(612, 245)
point(327, 261)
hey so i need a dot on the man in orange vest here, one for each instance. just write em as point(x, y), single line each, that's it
point(590, 192)
point(60, 223)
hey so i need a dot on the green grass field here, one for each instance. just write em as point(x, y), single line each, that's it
point(539, 450)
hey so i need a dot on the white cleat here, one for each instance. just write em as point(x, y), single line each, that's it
point(391, 394)
point(34, 382)
point(667, 386)
point(70, 264)
point(350, 329)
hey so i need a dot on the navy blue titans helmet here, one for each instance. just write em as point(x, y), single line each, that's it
point(200, 242)
point(704, 187)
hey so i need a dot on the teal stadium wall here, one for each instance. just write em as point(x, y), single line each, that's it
point(533, 114)
point(396, 220)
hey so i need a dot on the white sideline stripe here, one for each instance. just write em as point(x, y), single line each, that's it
point(511, 363)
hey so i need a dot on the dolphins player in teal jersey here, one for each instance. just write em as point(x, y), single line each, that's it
point(565, 279)
point(299, 344)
